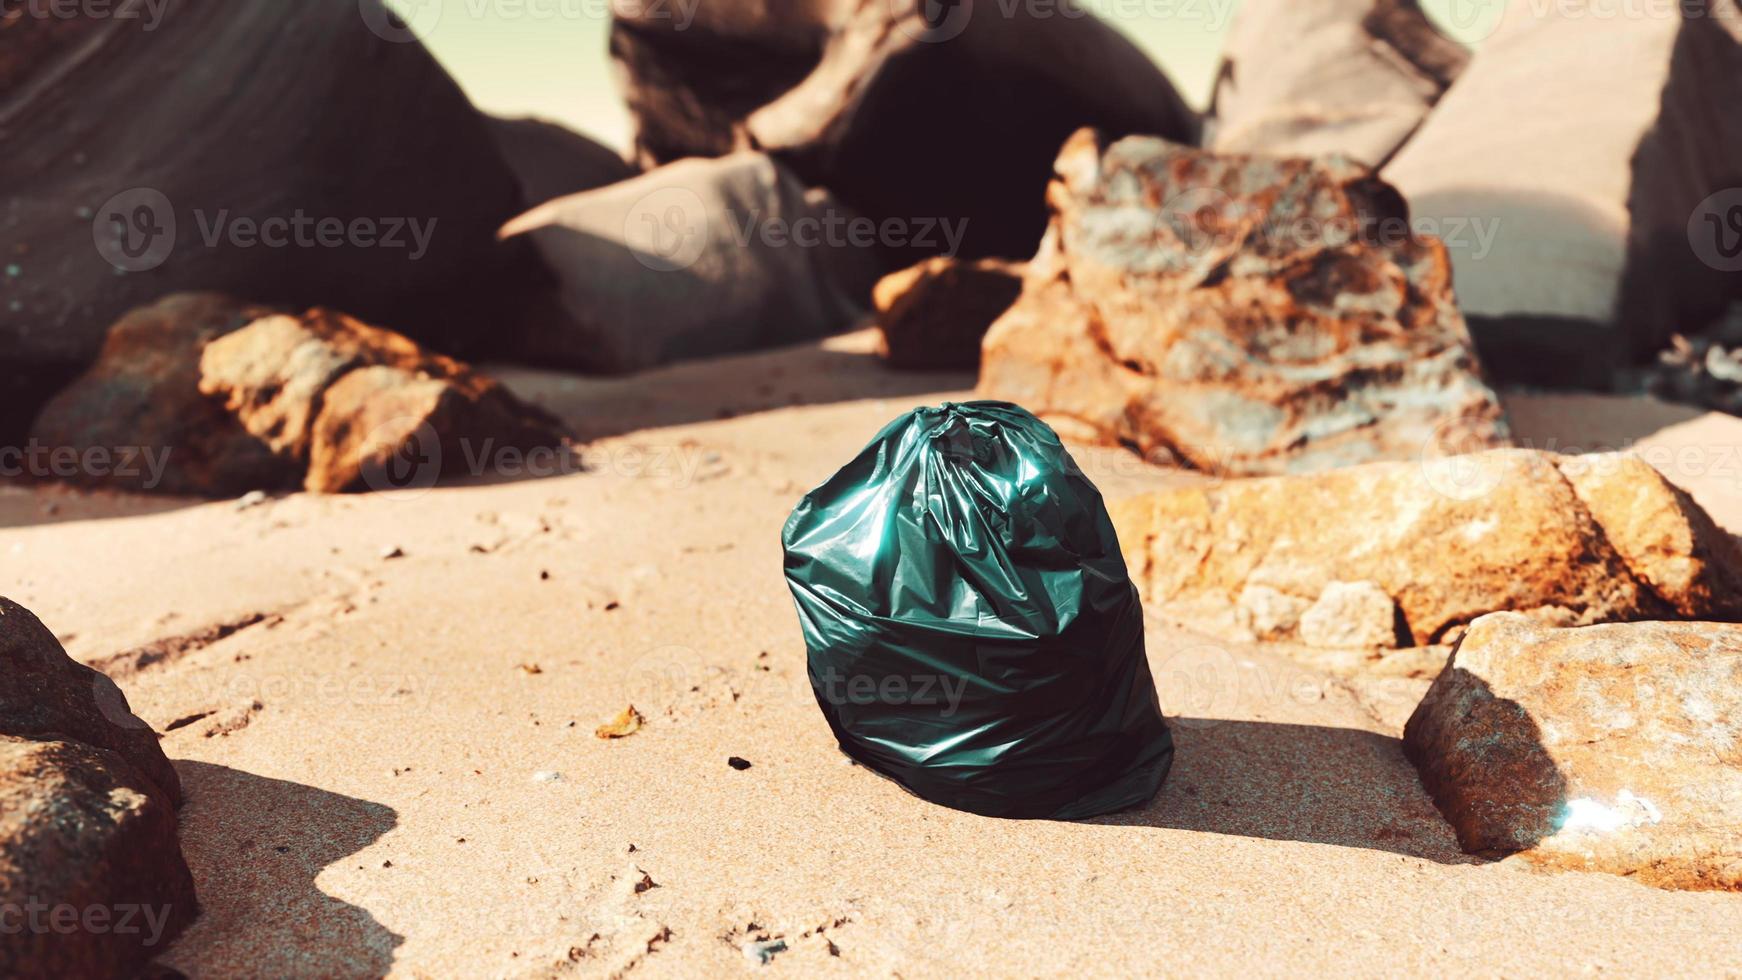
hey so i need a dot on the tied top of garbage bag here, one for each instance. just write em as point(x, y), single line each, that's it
point(971, 628)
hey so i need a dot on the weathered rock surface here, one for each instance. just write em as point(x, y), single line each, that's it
point(1609, 748)
point(275, 110)
point(698, 258)
point(357, 407)
point(1569, 541)
point(1244, 315)
point(91, 874)
point(140, 405)
point(48, 695)
point(958, 119)
point(934, 315)
point(1312, 78)
point(552, 161)
point(1569, 166)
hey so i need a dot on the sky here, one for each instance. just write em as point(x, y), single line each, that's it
point(548, 57)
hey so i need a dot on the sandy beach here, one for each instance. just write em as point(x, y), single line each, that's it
point(383, 707)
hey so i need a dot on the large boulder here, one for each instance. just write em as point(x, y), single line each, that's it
point(1608, 748)
point(955, 118)
point(698, 258)
point(553, 161)
point(1596, 159)
point(1244, 315)
point(48, 695)
point(356, 407)
point(92, 878)
point(1569, 541)
point(1312, 78)
point(932, 316)
point(139, 407)
point(281, 151)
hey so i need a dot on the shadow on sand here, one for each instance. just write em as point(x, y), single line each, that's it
point(256, 846)
point(1285, 782)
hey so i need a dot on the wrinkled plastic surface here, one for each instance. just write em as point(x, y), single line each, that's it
point(972, 631)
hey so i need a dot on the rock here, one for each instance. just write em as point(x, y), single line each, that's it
point(357, 407)
point(1570, 541)
point(552, 161)
point(1609, 748)
point(1578, 157)
point(91, 874)
point(1311, 78)
point(932, 316)
point(140, 405)
point(956, 121)
point(47, 695)
point(1350, 614)
point(695, 259)
point(1242, 315)
point(108, 152)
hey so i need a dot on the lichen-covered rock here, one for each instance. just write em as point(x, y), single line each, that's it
point(1608, 748)
point(933, 316)
point(45, 694)
point(1316, 77)
point(140, 405)
point(124, 180)
point(1244, 315)
point(956, 118)
point(695, 259)
point(1568, 540)
point(92, 877)
point(1580, 152)
point(356, 407)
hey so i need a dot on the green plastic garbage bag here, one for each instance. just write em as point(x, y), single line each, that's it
point(972, 631)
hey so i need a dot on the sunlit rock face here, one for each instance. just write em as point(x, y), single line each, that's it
point(1614, 748)
point(1329, 558)
point(1593, 153)
point(1313, 77)
point(1241, 315)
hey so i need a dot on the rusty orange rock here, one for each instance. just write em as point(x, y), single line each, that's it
point(1570, 541)
point(1243, 315)
point(362, 407)
point(1608, 748)
point(933, 315)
